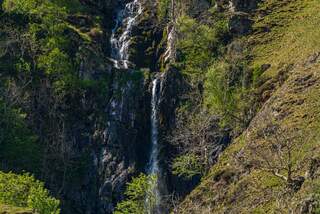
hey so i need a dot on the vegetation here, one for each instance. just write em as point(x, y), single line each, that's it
point(14, 210)
point(271, 167)
point(20, 149)
point(25, 191)
point(198, 46)
point(163, 9)
point(219, 84)
point(47, 92)
point(140, 196)
point(259, 91)
point(187, 166)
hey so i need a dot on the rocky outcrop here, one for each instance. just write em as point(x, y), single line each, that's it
point(240, 14)
point(146, 37)
point(124, 150)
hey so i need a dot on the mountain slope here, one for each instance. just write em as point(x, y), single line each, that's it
point(256, 174)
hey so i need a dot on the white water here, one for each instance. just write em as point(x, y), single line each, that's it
point(120, 42)
point(170, 53)
point(153, 167)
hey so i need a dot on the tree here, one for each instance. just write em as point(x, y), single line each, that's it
point(188, 165)
point(197, 45)
point(140, 196)
point(25, 191)
point(219, 96)
point(280, 151)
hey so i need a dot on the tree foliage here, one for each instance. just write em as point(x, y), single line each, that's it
point(197, 45)
point(19, 148)
point(140, 196)
point(25, 191)
point(188, 165)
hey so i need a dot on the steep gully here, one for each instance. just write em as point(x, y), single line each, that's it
point(120, 44)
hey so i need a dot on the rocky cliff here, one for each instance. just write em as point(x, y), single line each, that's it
point(237, 107)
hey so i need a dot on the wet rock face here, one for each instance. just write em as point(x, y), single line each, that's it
point(240, 24)
point(124, 150)
point(146, 37)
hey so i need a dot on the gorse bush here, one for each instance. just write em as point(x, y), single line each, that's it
point(25, 191)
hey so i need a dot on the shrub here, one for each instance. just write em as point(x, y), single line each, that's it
point(19, 148)
point(25, 191)
point(140, 196)
point(197, 46)
point(187, 165)
point(219, 97)
point(163, 7)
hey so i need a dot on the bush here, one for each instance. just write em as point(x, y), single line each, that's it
point(25, 191)
point(197, 46)
point(19, 148)
point(139, 191)
point(188, 165)
point(219, 97)
point(163, 7)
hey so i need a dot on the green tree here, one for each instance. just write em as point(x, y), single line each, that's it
point(188, 165)
point(140, 196)
point(25, 191)
point(219, 96)
point(19, 148)
point(196, 46)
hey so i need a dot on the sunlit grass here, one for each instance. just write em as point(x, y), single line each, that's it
point(294, 35)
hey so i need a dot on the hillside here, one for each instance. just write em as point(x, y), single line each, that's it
point(244, 179)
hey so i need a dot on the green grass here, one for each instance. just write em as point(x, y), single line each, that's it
point(294, 33)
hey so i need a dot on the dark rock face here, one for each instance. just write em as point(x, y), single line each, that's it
point(307, 206)
point(198, 7)
point(116, 147)
point(124, 150)
point(146, 37)
point(172, 87)
point(240, 24)
point(245, 5)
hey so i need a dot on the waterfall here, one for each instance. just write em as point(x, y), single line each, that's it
point(120, 41)
point(153, 166)
point(170, 53)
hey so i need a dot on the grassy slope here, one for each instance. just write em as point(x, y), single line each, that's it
point(291, 39)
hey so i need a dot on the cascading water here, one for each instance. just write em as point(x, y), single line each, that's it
point(120, 42)
point(170, 53)
point(153, 167)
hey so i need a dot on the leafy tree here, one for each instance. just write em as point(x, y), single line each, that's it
point(283, 152)
point(19, 148)
point(219, 96)
point(25, 191)
point(140, 196)
point(197, 45)
point(188, 165)
point(163, 7)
